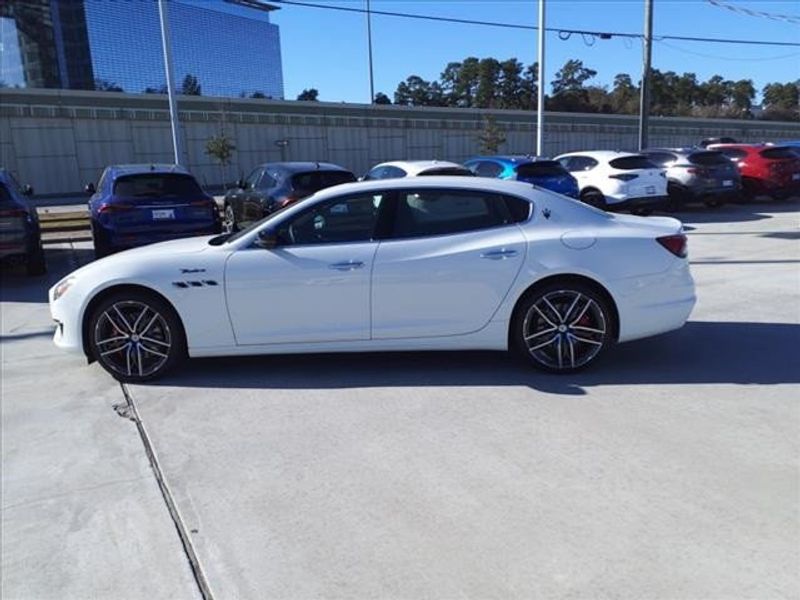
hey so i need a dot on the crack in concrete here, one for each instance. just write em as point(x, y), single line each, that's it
point(128, 410)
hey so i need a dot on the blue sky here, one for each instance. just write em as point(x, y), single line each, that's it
point(327, 49)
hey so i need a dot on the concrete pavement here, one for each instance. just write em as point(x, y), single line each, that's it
point(668, 471)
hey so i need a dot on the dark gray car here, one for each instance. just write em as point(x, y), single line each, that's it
point(697, 175)
point(272, 186)
point(20, 234)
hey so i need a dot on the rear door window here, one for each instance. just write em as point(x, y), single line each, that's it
point(780, 152)
point(708, 159)
point(629, 163)
point(578, 163)
point(156, 185)
point(439, 212)
point(487, 168)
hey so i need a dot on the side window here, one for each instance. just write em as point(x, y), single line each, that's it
point(376, 173)
point(339, 221)
point(661, 158)
point(487, 168)
point(585, 163)
point(103, 182)
point(393, 173)
point(439, 212)
point(518, 209)
point(252, 180)
point(267, 182)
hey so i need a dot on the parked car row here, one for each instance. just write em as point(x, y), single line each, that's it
point(20, 234)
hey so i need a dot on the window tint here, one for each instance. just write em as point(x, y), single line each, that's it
point(252, 180)
point(733, 153)
point(446, 171)
point(486, 168)
point(375, 173)
point(438, 212)
point(778, 152)
point(313, 181)
point(578, 163)
point(542, 168)
point(156, 185)
point(708, 158)
point(518, 209)
point(393, 173)
point(661, 158)
point(267, 181)
point(336, 221)
point(628, 163)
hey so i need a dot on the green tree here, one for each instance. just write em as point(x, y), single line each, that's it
point(569, 93)
point(489, 72)
point(492, 136)
point(308, 95)
point(221, 148)
point(191, 86)
point(624, 96)
point(416, 91)
point(381, 98)
point(781, 101)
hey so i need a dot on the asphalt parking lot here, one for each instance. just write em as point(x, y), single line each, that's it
point(671, 470)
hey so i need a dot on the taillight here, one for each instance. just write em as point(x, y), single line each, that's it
point(676, 244)
point(623, 176)
point(114, 208)
point(696, 171)
point(13, 212)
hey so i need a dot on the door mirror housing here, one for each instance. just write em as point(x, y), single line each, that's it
point(267, 239)
point(90, 189)
point(27, 190)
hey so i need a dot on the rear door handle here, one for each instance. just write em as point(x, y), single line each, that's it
point(350, 265)
point(499, 254)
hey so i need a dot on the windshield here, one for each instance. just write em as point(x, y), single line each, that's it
point(153, 185)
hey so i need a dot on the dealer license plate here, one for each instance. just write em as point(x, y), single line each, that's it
point(164, 213)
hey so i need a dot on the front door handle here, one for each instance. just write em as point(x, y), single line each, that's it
point(350, 265)
point(499, 254)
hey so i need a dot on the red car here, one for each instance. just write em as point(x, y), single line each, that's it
point(766, 170)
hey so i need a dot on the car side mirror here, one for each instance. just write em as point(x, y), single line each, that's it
point(27, 190)
point(267, 239)
point(90, 189)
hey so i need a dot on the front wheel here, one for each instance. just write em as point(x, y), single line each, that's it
point(229, 220)
point(562, 328)
point(594, 198)
point(136, 336)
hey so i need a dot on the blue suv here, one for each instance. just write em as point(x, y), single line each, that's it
point(539, 171)
point(134, 205)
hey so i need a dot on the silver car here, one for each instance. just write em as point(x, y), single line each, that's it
point(697, 175)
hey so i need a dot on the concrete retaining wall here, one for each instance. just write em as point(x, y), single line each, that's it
point(59, 140)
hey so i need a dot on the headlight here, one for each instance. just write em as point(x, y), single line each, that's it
point(62, 287)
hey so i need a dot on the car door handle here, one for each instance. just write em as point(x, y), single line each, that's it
point(350, 265)
point(499, 254)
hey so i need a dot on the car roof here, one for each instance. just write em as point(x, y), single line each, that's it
point(139, 169)
point(685, 150)
point(606, 155)
point(512, 158)
point(741, 145)
point(302, 166)
point(412, 167)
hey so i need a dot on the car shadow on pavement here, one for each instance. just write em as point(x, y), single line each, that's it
point(734, 212)
point(700, 353)
point(17, 286)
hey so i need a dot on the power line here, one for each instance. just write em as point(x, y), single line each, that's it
point(563, 33)
point(731, 58)
point(755, 13)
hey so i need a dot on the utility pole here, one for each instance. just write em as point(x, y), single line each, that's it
point(369, 43)
point(540, 86)
point(644, 92)
point(166, 42)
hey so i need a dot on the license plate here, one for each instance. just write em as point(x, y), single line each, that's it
point(650, 189)
point(164, 213)
point(727, 183)
point(795, 176)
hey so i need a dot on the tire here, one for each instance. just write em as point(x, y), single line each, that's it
point(548, 320)
point(229, 224)
point(749, 191)
point(135, 336)
point(677, 198)
point(101, 246)
point(594, 198)
point(36, 263)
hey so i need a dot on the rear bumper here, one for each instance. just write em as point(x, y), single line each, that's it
point(120, 238)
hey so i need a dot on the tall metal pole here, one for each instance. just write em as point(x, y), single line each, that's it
point(369, 43)
point(166, 43)
point(540, 86)
point(644, 95)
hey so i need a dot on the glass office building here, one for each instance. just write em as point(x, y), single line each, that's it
point(229, 48)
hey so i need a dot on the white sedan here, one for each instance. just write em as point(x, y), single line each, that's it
point(440, 263)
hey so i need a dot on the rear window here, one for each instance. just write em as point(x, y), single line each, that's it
point(313, 181)
point(543, 168)
point(733, 153)
point(708, 158)
point(447, 171)
point(780, 152)
point(156, 185)
point(633, 162)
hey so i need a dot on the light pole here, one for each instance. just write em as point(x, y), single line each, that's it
point(540, 86)
point(644, 93)
point(369, 44)
point(166, 43)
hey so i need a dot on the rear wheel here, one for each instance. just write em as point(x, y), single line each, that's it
point(749, 190)
point(594, 198)
point(102, 247)
point(562, 327)
point(136, 336)
point(229, 220)
point(677, 197)
point(36, 264)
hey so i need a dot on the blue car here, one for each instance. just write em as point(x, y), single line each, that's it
point(134, 205)
point(540, 171)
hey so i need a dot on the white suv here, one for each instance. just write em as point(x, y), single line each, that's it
point(617, 180)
